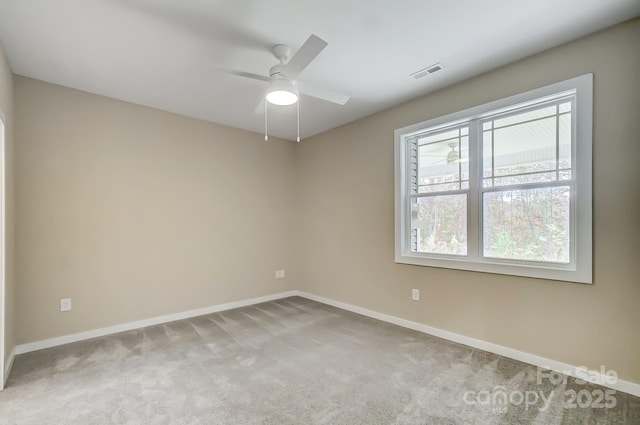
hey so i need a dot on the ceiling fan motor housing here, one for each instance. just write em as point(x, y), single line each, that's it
point(281, 52)
point(277, 71)
point(453, 155)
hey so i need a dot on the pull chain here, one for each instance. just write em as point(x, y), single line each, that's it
point(266, 137)
point(266, 121)
point(298, 118)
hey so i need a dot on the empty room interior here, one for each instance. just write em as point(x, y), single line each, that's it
point(336, 212)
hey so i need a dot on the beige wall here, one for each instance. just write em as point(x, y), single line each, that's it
point(135, 213)
point(345, 219)
point(6, 106)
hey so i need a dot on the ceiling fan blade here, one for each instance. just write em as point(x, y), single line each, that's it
point(250, 75)
point(303, 57)
point(243, 74)
point(322, 93)
point(260, 108)
point(442, 161)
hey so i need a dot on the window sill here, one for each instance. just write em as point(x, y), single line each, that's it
point(549, 271)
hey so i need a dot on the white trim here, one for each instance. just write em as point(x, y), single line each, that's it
point(3, 237)
point(7, 369)
point(81, 336)
point(545, 363)
point(620, 385)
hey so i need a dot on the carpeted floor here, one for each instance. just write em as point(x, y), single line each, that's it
point(291, 361)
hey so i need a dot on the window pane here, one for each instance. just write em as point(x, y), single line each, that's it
point(439, 187)
point(565, 175)
point(433, 166)
point(529, 224)
point(442, 161)
point(531, 147)
point(487, 156)
point(525, 148)
point(564, 139)
point(525, 178)
point(463, 158)
point(527, 116)
point(439, 224)
point(438, 137)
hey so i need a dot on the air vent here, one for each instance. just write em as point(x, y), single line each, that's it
point(426, 71)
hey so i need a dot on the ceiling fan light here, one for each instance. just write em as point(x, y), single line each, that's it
point(282, 97)
point(282, 93)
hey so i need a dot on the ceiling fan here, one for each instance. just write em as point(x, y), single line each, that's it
point(453, 156)
point(284, 88)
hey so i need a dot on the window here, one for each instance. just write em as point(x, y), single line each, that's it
point(503, 187)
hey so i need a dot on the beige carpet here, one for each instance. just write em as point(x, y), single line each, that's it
point(292, 361)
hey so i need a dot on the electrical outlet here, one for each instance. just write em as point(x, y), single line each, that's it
point(415, 294)
point(65, 304)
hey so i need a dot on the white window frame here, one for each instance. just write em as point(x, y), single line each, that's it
point(580, 268)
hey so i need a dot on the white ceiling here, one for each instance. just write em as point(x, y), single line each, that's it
point(165, 54)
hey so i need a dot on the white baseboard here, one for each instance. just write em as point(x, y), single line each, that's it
point(542, 362)
point(81, 336)
point(567, 369)
point(9, 365)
